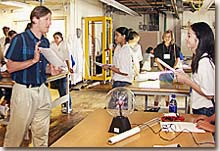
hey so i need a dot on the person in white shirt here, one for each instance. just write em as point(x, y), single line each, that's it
point(122, 59)
point(200, 39)
point(3, 39)
point(148, 59)
point(61, 49)
point(136, 50)
point(5, 31)
point(11, 35)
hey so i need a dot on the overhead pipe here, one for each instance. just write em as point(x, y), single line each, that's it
point(173, 2)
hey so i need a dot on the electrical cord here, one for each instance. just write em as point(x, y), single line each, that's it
point(173, 138)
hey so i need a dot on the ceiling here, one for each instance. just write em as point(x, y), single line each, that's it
point(139, 6)
point(32, 2)
point(162, 6)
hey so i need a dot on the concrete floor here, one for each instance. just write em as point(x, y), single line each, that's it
point(94, 98)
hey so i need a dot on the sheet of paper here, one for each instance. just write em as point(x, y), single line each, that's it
point(149, 84)
point(151, 76)
point(180, 126)
point(100, 64)
point(52, 57)
point(165, 65)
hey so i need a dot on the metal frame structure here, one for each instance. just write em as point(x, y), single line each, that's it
point(105, 47)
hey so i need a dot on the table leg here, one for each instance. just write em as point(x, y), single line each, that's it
point(186, 105)
point(146, 103)
point(67, 92)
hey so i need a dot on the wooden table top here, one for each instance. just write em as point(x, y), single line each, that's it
point(7, 81)
point(159, 86)
point(148, 82)
point(93, 132)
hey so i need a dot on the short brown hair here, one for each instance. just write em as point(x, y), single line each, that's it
point(39, 12)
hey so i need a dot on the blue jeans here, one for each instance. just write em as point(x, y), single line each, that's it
point(120, 84)
point(60, 84)
point(205, 111)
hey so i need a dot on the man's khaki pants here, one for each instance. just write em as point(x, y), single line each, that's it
point(29, 107)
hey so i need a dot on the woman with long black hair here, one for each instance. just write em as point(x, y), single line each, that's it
point(200, 39)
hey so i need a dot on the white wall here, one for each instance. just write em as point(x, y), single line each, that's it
point(80, 9)
point(18, 19)
point(179, 25)
point(8, 18)
point(72, 13)
point(127, 21)
point(190, 17)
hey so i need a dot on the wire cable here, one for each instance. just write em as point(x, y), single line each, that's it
point(171, 139)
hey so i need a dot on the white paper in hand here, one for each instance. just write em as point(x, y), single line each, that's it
point(52, 57)
point(98, 64)
point(165, 65)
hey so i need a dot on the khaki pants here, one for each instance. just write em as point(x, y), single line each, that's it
point(29, 107)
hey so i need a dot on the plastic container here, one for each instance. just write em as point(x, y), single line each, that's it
point(173, 104)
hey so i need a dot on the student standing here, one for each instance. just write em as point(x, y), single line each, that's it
point(200, 39)
point(168, 52)
point(122, 59)
point(31, 100)
point(148, 59)
point(60, 47)
point(11, 35)
point(5, 30)
point(136, 50)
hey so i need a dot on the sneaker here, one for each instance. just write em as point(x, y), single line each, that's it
point(70, 110)
point(64, 110)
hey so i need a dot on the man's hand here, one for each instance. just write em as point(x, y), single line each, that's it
point(36, 53)
point(54, 70)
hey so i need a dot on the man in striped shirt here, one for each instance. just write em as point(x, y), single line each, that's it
point(30, 101)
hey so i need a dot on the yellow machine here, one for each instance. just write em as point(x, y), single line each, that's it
point(98, 41)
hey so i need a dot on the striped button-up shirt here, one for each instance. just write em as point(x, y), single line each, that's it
point(21, 49)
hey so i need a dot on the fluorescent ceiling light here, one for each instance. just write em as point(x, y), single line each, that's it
point(121, 7)
point(15, 4)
